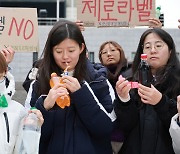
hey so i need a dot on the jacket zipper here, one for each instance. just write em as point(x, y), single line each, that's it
point(7, 125)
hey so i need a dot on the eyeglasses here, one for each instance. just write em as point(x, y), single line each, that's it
point(105, 52)
point(157, 45)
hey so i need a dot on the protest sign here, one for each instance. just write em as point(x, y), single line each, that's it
point(115, 13)
point(19, 29)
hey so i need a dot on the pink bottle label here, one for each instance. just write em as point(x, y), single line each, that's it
point(134, 84)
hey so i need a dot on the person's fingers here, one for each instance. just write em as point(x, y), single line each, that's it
point(80, 24)
point(39, 115)
point(8, 53)
point(155, 23)
point(178, 100)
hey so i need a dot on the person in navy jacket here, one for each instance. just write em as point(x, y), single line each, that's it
point(85, 126)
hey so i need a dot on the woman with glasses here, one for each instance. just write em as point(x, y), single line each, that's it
point(111, 55)
point(145, 113)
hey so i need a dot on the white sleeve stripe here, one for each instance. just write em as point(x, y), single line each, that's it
point(11, 86)
point(110, 115)
point(112, 94)
point(29, 95)
point(111, 90)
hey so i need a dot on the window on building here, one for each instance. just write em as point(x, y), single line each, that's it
point(132, 55)
point(91, 56)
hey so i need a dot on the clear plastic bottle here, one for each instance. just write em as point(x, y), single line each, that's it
point(62, 101)
point(158, 12)
point(144, 71)
point(30, 135)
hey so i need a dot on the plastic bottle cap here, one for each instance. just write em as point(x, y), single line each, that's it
point(33, 108)
point(53, 74)
point(158, 8)
point(144, 56)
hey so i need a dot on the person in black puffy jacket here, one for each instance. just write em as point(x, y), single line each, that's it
point(144, 114)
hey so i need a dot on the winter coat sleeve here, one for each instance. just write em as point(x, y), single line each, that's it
point(166, 109)
point(31, 76)
point(29, 95)
point(48, 116)
point(104, 91)
point(175, 134)
point(92, 112)
point(127, 114)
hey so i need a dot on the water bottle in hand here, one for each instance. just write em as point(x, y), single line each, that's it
point(31, 134)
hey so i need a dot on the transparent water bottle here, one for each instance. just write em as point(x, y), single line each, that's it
point(158, 12)
point(30, 135)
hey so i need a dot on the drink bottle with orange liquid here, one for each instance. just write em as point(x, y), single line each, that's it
point(62, 101)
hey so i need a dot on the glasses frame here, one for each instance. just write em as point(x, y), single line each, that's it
point(150, 48)
point(105, 54)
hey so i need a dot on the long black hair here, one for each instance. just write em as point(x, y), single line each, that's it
point(167, 72)
point(62, 30)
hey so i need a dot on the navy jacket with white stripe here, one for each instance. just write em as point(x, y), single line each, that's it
point(85, 126)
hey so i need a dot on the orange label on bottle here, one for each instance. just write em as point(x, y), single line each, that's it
point(62, 101)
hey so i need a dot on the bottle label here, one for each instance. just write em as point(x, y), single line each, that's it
point(134, 84)
point(66, 73)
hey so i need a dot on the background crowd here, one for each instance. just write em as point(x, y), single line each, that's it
point(106, 115)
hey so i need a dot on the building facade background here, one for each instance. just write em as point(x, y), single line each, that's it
point(94, 37)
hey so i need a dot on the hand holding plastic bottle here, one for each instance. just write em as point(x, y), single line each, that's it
point(58, 93)
point(71, 83)
point(55, 92)
point(155, 23)
point(29, 133)
point(38, 114)
point(149, 95)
